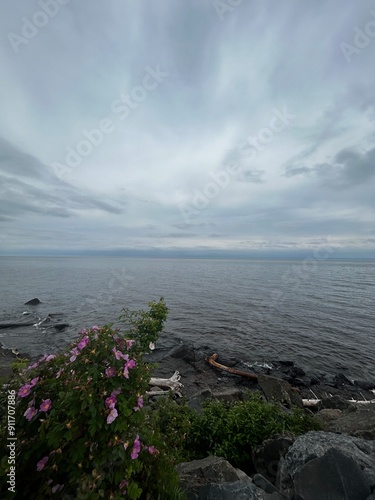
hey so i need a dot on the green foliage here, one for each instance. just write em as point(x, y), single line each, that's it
point(82, 431)
point(19, 364)
point(227, 430)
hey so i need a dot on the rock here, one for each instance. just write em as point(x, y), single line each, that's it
point(333, 476)
point(359, 423)
point(296, 372)
point(263, 483)
point(267, 455)
point(16, 325)
point(314, 445)
point(335, 402)
point(341, 380)
point(197, 399)
point(285, 363)
point(32, 302)
point(327, 415)
point(197, 478)
point(230, 491)
point(229, 395)
point(61, 326)
point(363, 384)
point(280, 391)
point(185, 352)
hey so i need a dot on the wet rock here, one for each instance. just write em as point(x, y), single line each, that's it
point(185, 352)
point(336, 401)
point(333, 476)
point(32, 302)
point(265, 485)
point(363, 384)
point(266, 456)
point(341, 380)
point(359, 423)
point(327, 415)
point(280, 391)
point(297, 372)
point(285, 363)
point(61, 326)
point(313, 445)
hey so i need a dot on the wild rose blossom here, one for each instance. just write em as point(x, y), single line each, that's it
point(41, 464)
point(50, 357)
point(83, 342)
point(59, 372)
point(34, 382)
point(116, 392)
point(95, 328)
point(57, 487)
point(43, 358)
point(34, 365)
point(74, 352)
point(46, 405)
point(111, 401)
point(129, 343)
point(24, 390)
point(110, 372)
point(122, 486)
point(113, 414)
point(83, 331)
point(151, 346)
point(119, 355)
point(136, 448)
point(139, 404)
point(30, 413)
point(152, 450)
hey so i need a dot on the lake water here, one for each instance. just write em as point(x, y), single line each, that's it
point(320, 314)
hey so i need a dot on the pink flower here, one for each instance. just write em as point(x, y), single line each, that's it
point(115, 393)
point(43, 358)
point(129, 343)
point(30, 413)
point(136, 448)
point(131, 364)
point(139, 404)
point(40, 465)
point(110, 372)
point(110, 402)
point(151, 346)
point(24, 390)
point(118, 354)
point(50, 357)
point(95, 328)
point(152, 450)
point(83, 331)
point(83, 342)
point(112, 416)
point(34, 381)
point(59, 372)
point(126, 372)
point(74, 352)
point(46, 405)
point(31, 367)
point(122, 486)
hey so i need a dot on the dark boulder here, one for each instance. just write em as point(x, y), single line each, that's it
point(32, 302)
point(61, 326)
point(342, 380)
point(185, 352)
point(314, 445)
point(336, 401)
point(359, 422)
point(363, 384)
point(280, 391)
point(333, 476)
point(267, 455)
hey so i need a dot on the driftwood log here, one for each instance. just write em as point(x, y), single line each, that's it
point(173, 383)
point(212, 361)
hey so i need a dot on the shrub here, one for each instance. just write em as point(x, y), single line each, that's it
point(82, 431)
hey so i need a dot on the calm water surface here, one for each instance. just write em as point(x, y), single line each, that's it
point(321, 316)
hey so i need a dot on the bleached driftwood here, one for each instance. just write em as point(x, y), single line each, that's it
point(172, 382)
point(314, 402)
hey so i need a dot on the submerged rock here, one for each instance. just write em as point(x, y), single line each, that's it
point(32, 302)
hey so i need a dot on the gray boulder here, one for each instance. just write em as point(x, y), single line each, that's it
point(314, 445)
point(215, 478)
point(266, 456)
point(334, 476)
point(279, 391)
point(359, 423)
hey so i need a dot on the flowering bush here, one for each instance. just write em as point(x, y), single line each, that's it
point(82, 431)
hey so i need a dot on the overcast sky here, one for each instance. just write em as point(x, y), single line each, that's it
point(202, 125)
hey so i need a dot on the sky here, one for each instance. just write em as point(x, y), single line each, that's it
point(187, 127)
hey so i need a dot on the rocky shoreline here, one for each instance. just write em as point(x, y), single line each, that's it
point(284, 467)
